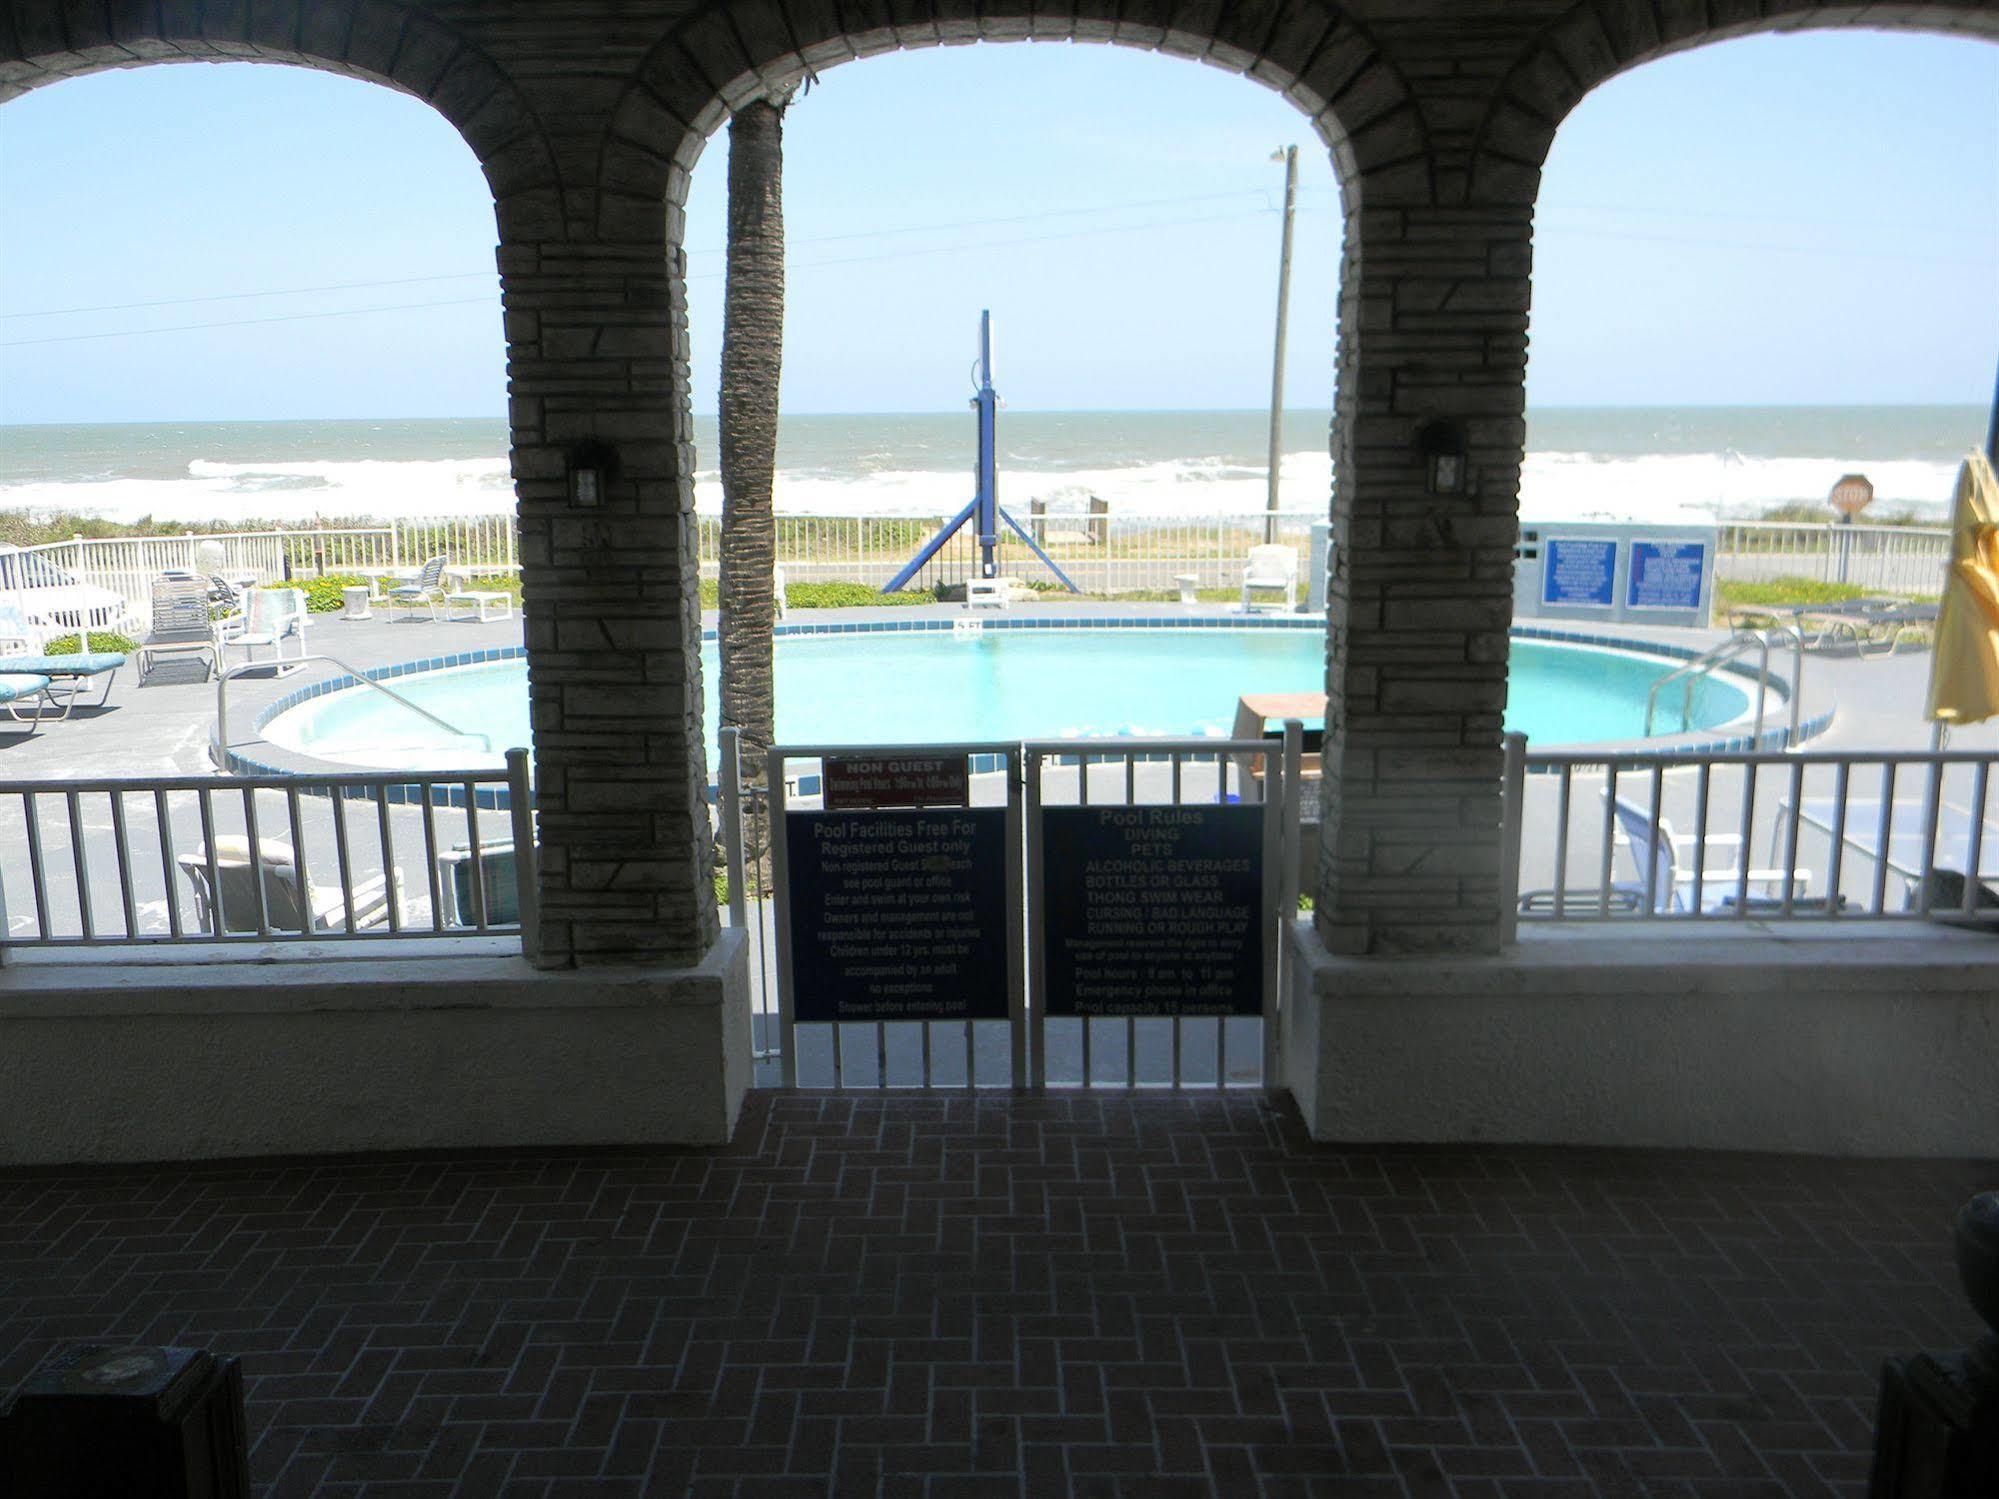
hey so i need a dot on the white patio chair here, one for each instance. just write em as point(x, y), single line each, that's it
point(291, 904)
point(777, 590)
point(270, 618)
point(425, 591)
point(19, 635)
point(1271, 569)
point(1721, 870)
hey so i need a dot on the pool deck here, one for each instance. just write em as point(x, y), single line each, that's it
point(162, 727)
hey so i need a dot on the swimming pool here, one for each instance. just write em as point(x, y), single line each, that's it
point(916, 685)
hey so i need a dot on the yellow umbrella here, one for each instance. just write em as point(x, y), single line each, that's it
point(1964, 671)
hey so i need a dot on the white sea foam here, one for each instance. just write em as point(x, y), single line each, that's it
point(1554, 486)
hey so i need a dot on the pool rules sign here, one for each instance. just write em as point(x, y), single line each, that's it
point(1153, 910)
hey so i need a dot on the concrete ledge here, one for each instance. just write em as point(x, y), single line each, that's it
point(310, 1053)
point(1808, 1038)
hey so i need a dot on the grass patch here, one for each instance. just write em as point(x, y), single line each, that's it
point(100, 640)
point(1787, 591)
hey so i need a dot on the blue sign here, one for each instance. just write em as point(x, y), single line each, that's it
point(1666, 574)
point(1153, 910)
point(898, 915)
point(1578, 573)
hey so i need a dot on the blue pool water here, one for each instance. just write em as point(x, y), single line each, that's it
point(1004, 684)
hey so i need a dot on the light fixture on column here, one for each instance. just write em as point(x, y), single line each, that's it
point(592, 466)
point(1442, 445)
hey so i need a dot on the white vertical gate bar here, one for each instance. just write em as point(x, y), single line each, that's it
point(1037, 945)
point(1282, 850)
point(1512, 808)
point(527, 886)
point(1016, 894)
point(780, 866)
point(728, 798)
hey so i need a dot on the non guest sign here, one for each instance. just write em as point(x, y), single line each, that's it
point(1153, 910)
point(898, 915)
point(1666, 574)
point(1578, 573)
point(868, 782)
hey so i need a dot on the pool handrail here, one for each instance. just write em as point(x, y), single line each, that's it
point(223, 677)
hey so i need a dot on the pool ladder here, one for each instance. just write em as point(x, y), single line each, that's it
point(1712, 660)
point(362, 679)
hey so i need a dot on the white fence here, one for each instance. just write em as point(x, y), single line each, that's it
point(1883, 559)
point(1101, 552)
point(1826, 835)
point(127, 565)
point(144, 862)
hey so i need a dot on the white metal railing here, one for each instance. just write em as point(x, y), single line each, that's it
point(128, 565)
point(162, 860)
point(1101, 552)
point(1885, 559)
point(1824, 835)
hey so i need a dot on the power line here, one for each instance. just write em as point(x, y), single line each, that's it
point(826, 239)
point(290, 317)
point(237, 296)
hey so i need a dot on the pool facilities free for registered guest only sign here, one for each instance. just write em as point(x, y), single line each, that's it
point(1152, 911)
point(1579, 572)
point(895, 896)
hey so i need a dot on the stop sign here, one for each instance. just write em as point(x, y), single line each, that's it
point(1851, 495)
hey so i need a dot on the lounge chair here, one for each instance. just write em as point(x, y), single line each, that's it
point(497, 875)
point(1271, 569)
point(270, 618)
point(1878, 625)
point(21, 653)
point(290, 905)
point(1672, 886)
point(426, 590)
point(17, 687)
point(181, 625)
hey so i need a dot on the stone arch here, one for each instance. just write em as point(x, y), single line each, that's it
point(1594, 40)
point(732, 51)
point(383, 41)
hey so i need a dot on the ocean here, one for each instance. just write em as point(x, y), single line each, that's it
point(1657, 464)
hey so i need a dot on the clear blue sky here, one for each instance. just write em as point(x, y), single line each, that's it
point(1797, 219)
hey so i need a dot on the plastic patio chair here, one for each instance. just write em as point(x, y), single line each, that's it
point(426, 590)
point(1271, 569)
point(269, 618)
point(291, 904)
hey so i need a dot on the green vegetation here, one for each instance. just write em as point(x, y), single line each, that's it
point(1818, 513)
point(850, 596)
point(1729, 594)
point(100, 640)
point(26, 528)
point(322, 594)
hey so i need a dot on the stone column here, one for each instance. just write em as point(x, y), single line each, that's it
point(612, 598)
point(1433, 329)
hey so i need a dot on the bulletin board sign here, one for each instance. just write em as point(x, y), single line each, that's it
point(1578, 572)
point(1666, 575)
point(1153, 910)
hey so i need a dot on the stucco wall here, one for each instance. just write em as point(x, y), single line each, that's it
point(148, 1061)
point(1877, 1043)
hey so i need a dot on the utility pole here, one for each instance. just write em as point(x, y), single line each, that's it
point(1289, 156)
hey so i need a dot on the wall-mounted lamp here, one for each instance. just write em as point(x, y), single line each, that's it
point(592, 466)
point(1442, 445)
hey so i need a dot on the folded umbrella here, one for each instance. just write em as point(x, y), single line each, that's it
point(1964, 670)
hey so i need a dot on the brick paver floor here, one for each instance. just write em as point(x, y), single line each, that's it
point(993, 1297)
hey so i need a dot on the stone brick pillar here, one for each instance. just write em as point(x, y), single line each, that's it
point(1434, 328)
point(612, 599)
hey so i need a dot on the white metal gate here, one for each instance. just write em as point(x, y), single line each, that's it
point(1029, 1048)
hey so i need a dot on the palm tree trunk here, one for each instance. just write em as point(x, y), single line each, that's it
point(752, 359)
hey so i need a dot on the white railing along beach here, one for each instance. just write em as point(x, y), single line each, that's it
point(1099, 550)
